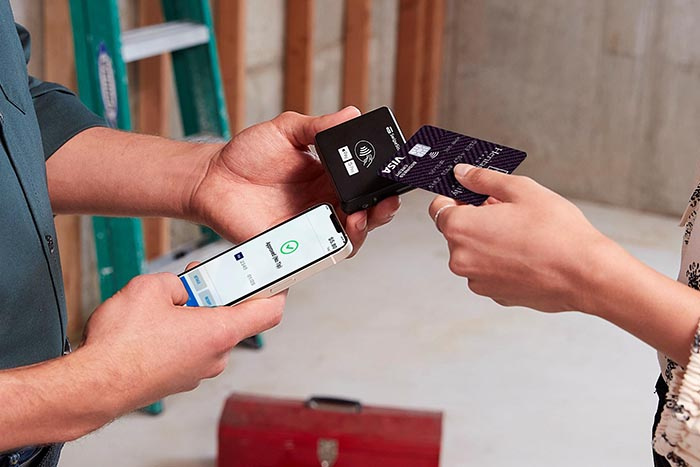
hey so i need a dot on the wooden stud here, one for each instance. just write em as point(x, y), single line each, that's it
point(59, 66)
point(230, 39)
point(69, 243)
point(410, 60)
point(358, 22)
point(432, 71)
point(154, 91)
point(298, 62)
point(59, 62)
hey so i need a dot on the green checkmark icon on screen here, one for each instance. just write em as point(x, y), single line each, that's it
point(289, 247)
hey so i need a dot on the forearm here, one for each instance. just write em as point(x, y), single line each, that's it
point(658, 310)
point(56, 401)
point(109, 172)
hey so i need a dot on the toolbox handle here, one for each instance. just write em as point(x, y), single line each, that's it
point(333, 403)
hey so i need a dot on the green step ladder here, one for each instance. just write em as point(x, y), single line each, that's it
point(102, 51)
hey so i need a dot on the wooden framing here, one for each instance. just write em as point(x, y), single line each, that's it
point(230, 40)
point(298, 63)
point(58, 65)
point(154, 91)
point(432, 70)
point(358, 22)
point(409, 63)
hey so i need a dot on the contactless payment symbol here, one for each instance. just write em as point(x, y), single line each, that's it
point(289, 247)
point(365, 152)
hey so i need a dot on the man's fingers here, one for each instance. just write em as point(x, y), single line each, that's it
point(383, 212)
point(251, 317)
point(487, 182)
point(301, 129)
point(357, 226)
point(172, 285)
point(192, 265)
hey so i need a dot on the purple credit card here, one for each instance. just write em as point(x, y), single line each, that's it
point(428, 158)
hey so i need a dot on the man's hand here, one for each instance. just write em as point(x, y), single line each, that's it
point(263, 176)
point(139, 346)
point(526, 246)
point(157, 347)
point(266, 175)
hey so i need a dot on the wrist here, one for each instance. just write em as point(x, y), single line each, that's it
point(58, 400)
point(202, 159)
point(603, 262)
point(102, 396)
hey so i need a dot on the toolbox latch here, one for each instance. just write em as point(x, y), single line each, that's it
point(327, 451)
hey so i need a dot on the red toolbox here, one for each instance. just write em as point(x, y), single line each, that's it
point(268, 432)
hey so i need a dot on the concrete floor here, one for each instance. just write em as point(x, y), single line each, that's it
point(517, 388)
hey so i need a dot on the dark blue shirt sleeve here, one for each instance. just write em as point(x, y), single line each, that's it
point(59, 112)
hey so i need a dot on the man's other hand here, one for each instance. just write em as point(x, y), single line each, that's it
point(152, 346)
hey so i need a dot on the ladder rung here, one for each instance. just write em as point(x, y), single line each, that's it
point(205, 138)
point(176, 260)
point(162, 38)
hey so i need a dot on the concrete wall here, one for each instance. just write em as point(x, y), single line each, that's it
point(604, 95)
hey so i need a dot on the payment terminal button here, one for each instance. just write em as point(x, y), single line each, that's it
point(206, 299)
point(198, 280)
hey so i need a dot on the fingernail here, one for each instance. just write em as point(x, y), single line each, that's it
point(398, 206)
point(362, 223)
point(462, 169)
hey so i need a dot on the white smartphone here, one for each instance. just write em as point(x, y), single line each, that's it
point(270, 262)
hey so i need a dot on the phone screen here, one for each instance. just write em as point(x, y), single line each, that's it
point(266, 259)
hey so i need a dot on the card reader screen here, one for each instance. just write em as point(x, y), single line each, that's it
point(264, 260)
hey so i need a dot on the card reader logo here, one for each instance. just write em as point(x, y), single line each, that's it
point(419, 150)
point(289, 247)
point(393, 164)
point(365, 152)
point(392, 135)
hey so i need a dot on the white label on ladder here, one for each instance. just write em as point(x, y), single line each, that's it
point(108, 88)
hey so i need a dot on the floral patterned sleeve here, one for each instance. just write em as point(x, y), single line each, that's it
point(690, 268)
point(677, 436)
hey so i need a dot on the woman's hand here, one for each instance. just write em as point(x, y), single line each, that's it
point(526, 246)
